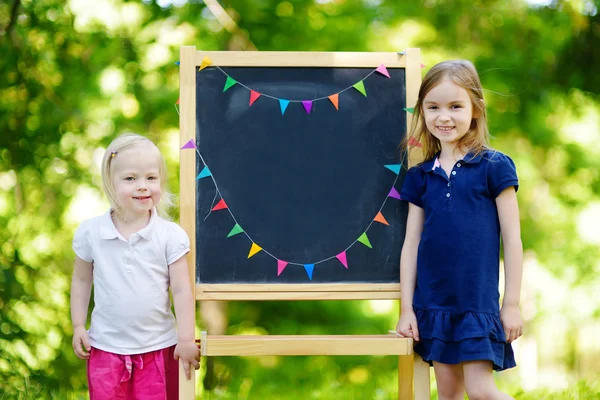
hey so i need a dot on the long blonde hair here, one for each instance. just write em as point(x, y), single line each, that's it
point(127, 141)
point(463, 74)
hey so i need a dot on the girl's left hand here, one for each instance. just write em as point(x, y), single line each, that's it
point(512, 322)
point(189, 353)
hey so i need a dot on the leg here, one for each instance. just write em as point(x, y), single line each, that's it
point(104, 373)
point(450, 381)
point(479, 381)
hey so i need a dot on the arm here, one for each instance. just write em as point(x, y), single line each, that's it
point(508, 215)
point(407, 326)
point(81, 287)
point(186, 348)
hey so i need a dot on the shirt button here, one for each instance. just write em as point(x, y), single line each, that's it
point(447, 194)
point(453, 172)
point(458, 165)
point(448, 183)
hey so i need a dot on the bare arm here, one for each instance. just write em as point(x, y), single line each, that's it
point(408, 259)
point(186, 348)
point(510, 227)
point(81, 287)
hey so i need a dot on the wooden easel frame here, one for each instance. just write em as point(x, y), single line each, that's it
point(413, 374)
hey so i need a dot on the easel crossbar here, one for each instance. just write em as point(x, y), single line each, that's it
point(306, 345)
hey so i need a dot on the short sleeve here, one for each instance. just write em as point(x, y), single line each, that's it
point(411, 188)
point(501, 174)
point(178, 243)
point(81, 243)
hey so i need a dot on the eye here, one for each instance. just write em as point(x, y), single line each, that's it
point(457, 106)
point(129, 179)
point(152, 178)
point(432, 107)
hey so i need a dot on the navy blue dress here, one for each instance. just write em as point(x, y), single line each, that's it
point(456, 298)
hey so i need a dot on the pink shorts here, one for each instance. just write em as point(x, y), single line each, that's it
point(148, 376)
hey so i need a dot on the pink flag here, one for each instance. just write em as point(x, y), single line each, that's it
point(189, 145)
point(383, 70)
point(281, 266)
point(342, 258)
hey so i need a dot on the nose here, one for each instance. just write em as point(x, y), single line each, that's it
point(444, 117)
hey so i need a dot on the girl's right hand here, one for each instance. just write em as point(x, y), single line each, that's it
point(407, 325)
point(81, 343)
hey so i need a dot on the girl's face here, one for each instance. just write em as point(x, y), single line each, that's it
point(448, 112)
point(136, 180)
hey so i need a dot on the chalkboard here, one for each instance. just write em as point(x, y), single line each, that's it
point(284, 189)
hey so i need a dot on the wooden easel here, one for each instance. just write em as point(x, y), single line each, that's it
point(413, 373)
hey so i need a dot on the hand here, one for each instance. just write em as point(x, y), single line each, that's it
point(81, 343)
point(407, 325)
point(512, 322)
point(189, 354)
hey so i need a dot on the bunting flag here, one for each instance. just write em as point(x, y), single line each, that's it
point(220, 206)
point(177, 102)
point(254, 249)
point(189, 145)
point(381, 219)
point(365, 240)
point(394, 194)
point(360, 86)
point(281, 266)
point(412, 142)
point(383, 70)
point(229, 83)
point(309, 270)
point(204, 173)
point(334, 98)
point(283, 105)
point(253, 96)
point(177, 63)
point(205, 63)
point(343, 259)
point(409, 109)
point(307, 105)
point(422, 65)
point(236, 230)
point(395, 168)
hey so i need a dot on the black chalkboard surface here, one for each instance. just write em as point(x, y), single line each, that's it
point(302, 186)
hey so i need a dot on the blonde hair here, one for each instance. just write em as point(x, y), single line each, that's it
point(128, 141)
point(463, 74)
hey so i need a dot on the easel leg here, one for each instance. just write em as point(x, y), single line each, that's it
point(405, 377)
point(422, 387)
point(187, 388)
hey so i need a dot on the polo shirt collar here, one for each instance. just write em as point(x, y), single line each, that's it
point(109, 231)
point(469, 158)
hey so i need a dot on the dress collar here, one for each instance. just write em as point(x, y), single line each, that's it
point(109, 231)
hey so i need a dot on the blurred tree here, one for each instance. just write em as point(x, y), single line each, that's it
point(75, 74)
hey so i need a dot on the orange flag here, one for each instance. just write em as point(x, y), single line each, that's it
point(380, 218)
point(334, 100)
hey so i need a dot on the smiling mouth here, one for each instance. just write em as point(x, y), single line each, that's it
point(142, 197)
point(445, 128)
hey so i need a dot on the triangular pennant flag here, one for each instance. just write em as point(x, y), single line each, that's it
point(395, 168)
point(229, 83)
point(414, 142)
point(204, 173)
point(422, 65)
point(281, 266)
point(235, 230)
point(343, 259)
point(253, 96)
point(177, 101)
point(205, 63)
point(383, 70)
point(283, 105)
point(334, 98)
point(220, 206)
point(309, 270)
point(360, 86)
point(409, 109)
point(365, 240)
point(189, 145)
point(381, 218)
point(394, 193)
point(254, 249)
point(307, 105)
point(177, 63)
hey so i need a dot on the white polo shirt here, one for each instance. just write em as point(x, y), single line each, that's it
point(132, 311)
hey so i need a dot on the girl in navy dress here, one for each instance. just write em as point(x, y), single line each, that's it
point(462, 201)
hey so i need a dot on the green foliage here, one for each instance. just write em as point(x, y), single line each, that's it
point(75, 74)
